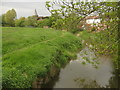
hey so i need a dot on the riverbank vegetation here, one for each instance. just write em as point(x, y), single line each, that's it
point(29, 53)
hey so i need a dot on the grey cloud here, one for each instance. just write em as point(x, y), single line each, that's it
point(26, 8)
point(24, 0)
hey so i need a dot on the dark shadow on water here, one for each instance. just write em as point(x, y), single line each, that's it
point(52, 82)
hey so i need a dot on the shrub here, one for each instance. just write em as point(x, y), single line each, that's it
point(42, 23)
point(31, 21)
point(20, 22)
point(93, 29)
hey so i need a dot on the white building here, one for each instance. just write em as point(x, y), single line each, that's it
point(93, 20)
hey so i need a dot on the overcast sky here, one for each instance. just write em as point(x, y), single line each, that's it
point(25, 7)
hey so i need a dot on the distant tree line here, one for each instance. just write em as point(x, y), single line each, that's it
point(9, 20)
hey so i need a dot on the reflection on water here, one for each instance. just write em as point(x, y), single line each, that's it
point(87, 71)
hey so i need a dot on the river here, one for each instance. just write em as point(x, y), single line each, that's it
point(87, 71)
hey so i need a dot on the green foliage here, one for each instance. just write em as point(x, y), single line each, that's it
point(66, 23)
point(93, 29)
point(110, 35)
point(30, 53)
point(78, 7)
point(56, 20)
point(106, 41)
point(103, 43)
point(31, 21)
point(10, 17)
point(2, 20)
point(20, 22)
point(69, 14)
point(72, 12)
point(58, 24)
point(45, 22)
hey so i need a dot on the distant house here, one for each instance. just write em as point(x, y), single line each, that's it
point(91, 22)
point(39, 18)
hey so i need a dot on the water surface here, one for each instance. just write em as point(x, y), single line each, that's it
point(87, 71)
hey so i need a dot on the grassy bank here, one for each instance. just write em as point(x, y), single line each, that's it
point(29, 53)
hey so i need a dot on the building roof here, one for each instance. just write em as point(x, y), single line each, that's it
point(92, 17)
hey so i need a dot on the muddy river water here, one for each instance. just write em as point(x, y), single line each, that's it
point(87, 71)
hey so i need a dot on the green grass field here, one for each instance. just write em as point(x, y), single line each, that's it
point(29, 53)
